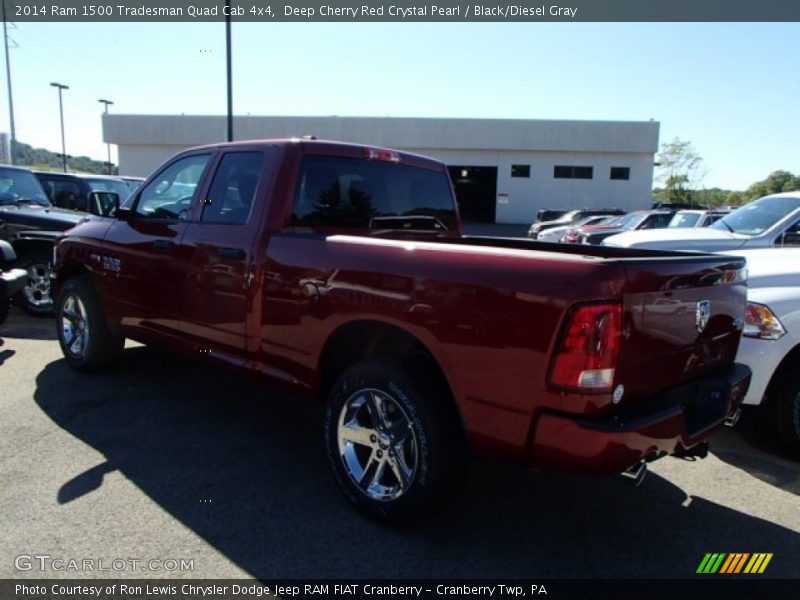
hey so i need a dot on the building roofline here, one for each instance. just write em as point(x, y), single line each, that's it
point(394, 132)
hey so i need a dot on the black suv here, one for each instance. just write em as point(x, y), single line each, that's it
point(30, 223)
point(72, 191)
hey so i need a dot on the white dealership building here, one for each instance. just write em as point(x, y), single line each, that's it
point(503, 170)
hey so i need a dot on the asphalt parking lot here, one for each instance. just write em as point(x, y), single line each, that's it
point(164, 458)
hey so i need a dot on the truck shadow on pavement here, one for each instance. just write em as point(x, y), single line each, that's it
point(241, 464)
point(754, 448)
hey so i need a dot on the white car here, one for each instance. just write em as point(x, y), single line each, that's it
point(770, 343)
point(696, 218)
point(763, 223)
point(554, 234)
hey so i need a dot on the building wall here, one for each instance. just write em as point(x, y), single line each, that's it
point(518, 198)
point(146, 141)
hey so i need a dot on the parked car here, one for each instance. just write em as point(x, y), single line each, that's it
point(422, 342)
point(555, 234)
point(666, 205)
point(696, 218)
point(570, 218)
point(11, 280)
point(73, 190)
point(636, 220)
point(771, 342)
point(31, 223)
point(548, 214)
point(768, 221)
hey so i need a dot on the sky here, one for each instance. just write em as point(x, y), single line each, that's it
point(731, 89)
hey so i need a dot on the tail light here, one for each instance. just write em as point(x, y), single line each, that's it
point(379, 154)
point(571, 237)
point(760, 322)
point(586, 356)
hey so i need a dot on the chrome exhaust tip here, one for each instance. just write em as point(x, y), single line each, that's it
point(733, 418)
point(635, 475)
point(698, 451)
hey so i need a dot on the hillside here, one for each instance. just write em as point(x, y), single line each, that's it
point(39, 158)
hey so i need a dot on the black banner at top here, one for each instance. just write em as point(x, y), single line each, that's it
point(402, 11)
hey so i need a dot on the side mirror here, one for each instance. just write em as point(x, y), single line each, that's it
point(103, 204)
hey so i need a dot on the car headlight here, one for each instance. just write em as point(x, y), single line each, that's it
point(760, 322)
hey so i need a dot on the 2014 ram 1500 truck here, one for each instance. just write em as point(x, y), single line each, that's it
point(341, 270)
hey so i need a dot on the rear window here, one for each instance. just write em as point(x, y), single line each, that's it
point(369, 194)
point(684, 220)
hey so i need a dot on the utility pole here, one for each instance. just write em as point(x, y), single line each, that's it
point(108, 145)
point(61, 87)
point(228, 61)
point(13, 143)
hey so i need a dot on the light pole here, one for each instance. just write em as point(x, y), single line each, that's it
point(229, 68)
point(10, 95)
point(62, 87)
point(108, 145)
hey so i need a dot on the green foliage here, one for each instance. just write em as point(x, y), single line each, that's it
point(680, 170)
point(39, 158)
point(775, 183)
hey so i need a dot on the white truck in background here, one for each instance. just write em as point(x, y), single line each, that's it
point(770, 344)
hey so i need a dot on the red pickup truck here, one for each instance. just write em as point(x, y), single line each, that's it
point(341, 270)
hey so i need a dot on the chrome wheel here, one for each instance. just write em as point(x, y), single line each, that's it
point(75, 326)
point(378, 444)
point(37, 286)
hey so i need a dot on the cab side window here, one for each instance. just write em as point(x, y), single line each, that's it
point(170, 195)
point(67, 194)
point(792, 236)
point(233, 189)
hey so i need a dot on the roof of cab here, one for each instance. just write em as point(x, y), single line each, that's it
point(317, 144)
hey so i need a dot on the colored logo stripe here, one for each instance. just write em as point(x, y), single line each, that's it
point(758, 563)
point(711, 563)
point(720, 562)
point(734, 563)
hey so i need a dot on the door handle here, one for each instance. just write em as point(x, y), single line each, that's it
point(233, 253)
point(163, 245)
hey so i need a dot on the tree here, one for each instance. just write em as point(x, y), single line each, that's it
point(680, 170)
point(775, 183)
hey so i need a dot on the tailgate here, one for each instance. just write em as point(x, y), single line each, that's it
point(684, 317)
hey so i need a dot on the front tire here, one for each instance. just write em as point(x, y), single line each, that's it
point(34, 298)
point(784, 406)
point(86, 340)
point(395, 445)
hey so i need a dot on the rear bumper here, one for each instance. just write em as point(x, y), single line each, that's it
point(670, 421)
point(11, 282)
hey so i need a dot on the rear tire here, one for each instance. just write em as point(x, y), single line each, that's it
point(34, 298)
point(394, 442)
point(783, 403)
point(86, 340)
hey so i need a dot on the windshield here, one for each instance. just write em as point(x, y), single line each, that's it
point(594, 220)
point(110, 185)
point(629, 221)
point(759, 215)
point(19, 186)
point(684, 220)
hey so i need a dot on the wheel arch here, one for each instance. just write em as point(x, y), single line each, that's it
point(783, 370)
point(71, 268)
point(365, 339)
